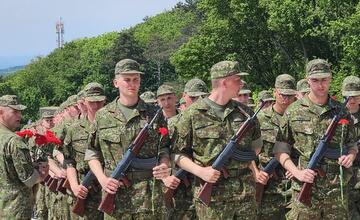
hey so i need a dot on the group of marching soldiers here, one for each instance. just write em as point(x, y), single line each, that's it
point(157, 156)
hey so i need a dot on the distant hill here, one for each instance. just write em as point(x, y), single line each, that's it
point(9, 70)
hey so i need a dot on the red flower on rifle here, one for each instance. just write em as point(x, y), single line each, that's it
point(163, 131)
point(51, 138)
point(343, 121)
point(25, 133)
point(40, 139)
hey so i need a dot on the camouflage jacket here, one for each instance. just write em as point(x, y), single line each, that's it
point(356, 119)
point(305, 123)
point(75, 145)
point(202, 135)
point(111, 134)
point(17, 172)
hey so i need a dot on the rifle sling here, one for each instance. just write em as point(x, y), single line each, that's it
point(144, 164)
point(243, 156)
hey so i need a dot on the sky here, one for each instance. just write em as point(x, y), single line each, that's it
point(28, 27)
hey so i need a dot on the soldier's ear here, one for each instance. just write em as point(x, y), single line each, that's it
point(115, 83)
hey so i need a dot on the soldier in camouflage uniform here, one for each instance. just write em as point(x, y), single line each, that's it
point(267, 97)
point(115, 127)
point(305, 121)
point(351, 88)
point(202, 131)
point(244, 94)
point(302, 88)
point(166, 98)
point(74, 147)
point(19, 174)
point(275, 196)
point(194, 89)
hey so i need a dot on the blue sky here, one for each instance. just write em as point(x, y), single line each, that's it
point(28, 27)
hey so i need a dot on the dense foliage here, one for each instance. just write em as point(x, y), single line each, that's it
point(267, 37)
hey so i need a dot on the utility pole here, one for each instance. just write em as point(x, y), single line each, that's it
point(60, 33)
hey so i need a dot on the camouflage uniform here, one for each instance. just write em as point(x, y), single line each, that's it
point(18, 173)
point(304, 124)
point(276, 193)
point(201, 135)
point(351, 87)
point(74, 147)
point(148, 97)
point(110, 137)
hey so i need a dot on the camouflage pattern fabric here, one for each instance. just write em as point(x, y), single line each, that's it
point(277, 192)
point(354, 185)
point(110, 136)
point(201, 135)
point(304, 124)
point(16, 168)
point(74, 147)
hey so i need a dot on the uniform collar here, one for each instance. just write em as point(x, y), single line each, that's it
point(319, 110)
point(115, 110)
point(230, 107)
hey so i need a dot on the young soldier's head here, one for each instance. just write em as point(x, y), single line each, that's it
point(10, 111)
point(166, 98)
point(318, 74)
point(351, 88)
point(127, 78)
point(94, 97)
point(285, 91)
point(194, 89)
point(302, 88)
point(244, 94)
point(267, 97)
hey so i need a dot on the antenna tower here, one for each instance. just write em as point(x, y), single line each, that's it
point(60, 33)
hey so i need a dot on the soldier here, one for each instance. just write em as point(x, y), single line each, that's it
point(194, 89)
point(115, 127)
point(351, 88)
point(202, 131)
point(305, 121)
point(267, 97)
point(302, 88)
point(275, 196)
point(75, 144)
point(148, 97)
point(166, 98)
point(18, 172)
point(244, 94)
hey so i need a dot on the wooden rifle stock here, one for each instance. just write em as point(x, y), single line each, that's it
point(79, 207)
point(53, 185)
point(305, 194)
point(169, 193)
point(107, 205)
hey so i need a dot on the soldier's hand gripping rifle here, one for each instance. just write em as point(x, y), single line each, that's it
point(107, 204)
point(305, 193)
point(79, 206)
point(269, 169)
point(229, 152)
point(169, 193)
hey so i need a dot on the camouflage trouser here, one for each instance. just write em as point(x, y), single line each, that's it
point(276, 198)
point(233, 198)
point(183, 205)
point(59, 207)
point(41, 204)
point(135, 202)
point(354, 195)
point(326, 201)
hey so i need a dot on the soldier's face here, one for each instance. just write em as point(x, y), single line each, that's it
point(81, 106)
point(243, 98)
point(167, 102)
point(128, 84)
point(11, 118)
point(284, 100)
point(353, 102)
point(189, 100)
point(319, 87)
point(92, 107)
point(48, 123)
point(233, 85)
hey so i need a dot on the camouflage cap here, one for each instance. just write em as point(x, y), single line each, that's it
point(71, 100)
point(303, 86)
point(127, 66)
point(244, 89)
point(48, 112)
point(11, 101)
point(318, 68)
point(94, 92)
point(265, 96)
point(351, 86)
point(285, 84)
point(225, 68)
point(195, 87)
point(165, 89)
point(251, 103)
point(148, 97)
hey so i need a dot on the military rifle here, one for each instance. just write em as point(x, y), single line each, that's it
point(107, 204)
point(227, 153)
point(305, 193)
point(269, 169)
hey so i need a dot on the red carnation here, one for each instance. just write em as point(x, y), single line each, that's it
point(51, 138)
point(40, 139)
point(343, 121)
point(163, 131)
point(25, 133)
